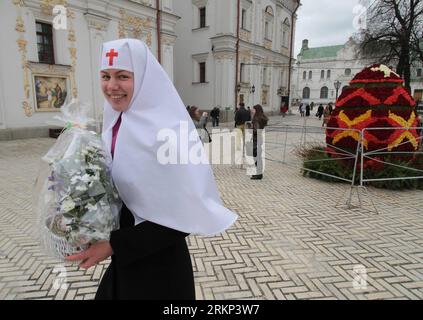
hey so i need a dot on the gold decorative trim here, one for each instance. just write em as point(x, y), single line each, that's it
point(19, 3)
point(99, 26)
point(73, 52)
point(27, 109)
point(224, 56)
point(245, 35)
point(47, 6)
point(140, 27)
point(148, 39)
point(71, 36)
point(268, 44)
point(21, 42)
point(20, 27)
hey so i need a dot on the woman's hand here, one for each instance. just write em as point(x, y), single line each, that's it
point(96, 253)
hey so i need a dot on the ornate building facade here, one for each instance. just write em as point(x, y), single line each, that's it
point(321, 73)
point(50, 53)
point(225, 62)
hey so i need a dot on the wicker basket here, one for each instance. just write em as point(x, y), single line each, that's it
point(58, 246)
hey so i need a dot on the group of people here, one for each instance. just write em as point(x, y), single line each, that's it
point(325, 112)
point(254, 119)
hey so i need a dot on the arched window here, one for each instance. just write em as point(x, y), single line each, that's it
point(348, 72)
point(310, 75)
point(304, 75)
point(306, 93)
point(269, 10)
point(322, 74)
point(242, 72)
point(268, 23)
point(328, 74)
point(286, 26)
point(324, 93)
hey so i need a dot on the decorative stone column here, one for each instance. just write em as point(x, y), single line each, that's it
point(20, 27)
point(225, 71)
point(97, 28)
point(168, 43)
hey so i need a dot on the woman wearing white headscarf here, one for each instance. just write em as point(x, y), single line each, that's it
point(162, 175)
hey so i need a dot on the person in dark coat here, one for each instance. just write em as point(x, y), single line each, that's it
point(215, 114)
point(320, 110)
point(307, 110)
point(259, 122)
point(163, 201)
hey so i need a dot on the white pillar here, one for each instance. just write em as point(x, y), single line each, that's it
point(97, 36)
point(167, 59)
point(224, 85)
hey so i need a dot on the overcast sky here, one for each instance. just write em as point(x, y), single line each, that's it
point(324, 22)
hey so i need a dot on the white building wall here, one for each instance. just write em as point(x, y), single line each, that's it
point(93, 22)
point(219, 41)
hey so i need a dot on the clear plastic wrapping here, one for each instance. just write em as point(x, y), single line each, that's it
point(76, 201)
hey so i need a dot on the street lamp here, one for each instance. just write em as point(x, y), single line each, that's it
point(337, 85)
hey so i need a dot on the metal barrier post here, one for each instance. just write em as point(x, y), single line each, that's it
point(284, 149)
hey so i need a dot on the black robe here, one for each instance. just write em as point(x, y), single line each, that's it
point(149, 262)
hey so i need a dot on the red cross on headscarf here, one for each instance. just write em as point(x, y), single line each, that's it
point(111, 54)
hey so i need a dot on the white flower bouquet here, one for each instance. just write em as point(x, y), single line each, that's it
point(77, 202)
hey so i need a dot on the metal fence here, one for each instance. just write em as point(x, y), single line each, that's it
point(289, 138)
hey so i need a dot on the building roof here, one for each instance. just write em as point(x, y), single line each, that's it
point(320, 52)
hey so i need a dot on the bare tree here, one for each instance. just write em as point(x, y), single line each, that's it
point(393, 34)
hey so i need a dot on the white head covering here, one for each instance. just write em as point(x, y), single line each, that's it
point(183, 197)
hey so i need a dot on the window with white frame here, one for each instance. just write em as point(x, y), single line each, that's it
point(322, 74)
point(268, 23)
point(246, 15)
point(304, 75)
point(328, 74)
point(286, 27)
point(266, 30)
point(306, 93)
point(199, 14)
point(45, 42)
point(310, 75)
point(324, 93)
point(202, 15)
point(347, 72)
point(265, 76)
point(200, 68)
point(244, 19)
point(242, 72)
point(419, 72)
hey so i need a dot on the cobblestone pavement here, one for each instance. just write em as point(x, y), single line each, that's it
point(291, 241)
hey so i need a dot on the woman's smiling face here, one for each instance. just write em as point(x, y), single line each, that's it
point(118, 88)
